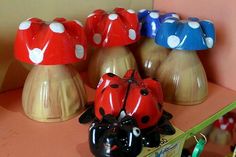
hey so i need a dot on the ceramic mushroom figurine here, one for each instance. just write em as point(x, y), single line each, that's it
point(53, 90)
point(149, 55)
point(182, 75)
point(223, 130)
point(110, 33)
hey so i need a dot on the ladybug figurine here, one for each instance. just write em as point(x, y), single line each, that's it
point(129, 96)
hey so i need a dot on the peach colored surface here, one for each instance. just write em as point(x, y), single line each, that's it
point(22, 137)
point(220, 61)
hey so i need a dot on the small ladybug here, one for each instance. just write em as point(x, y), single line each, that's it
point(134, 97)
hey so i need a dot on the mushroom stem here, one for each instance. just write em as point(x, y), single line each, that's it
point(149, 56)
point(53, 93)
point(219, 136)
point(183, 78)
point(116, 60)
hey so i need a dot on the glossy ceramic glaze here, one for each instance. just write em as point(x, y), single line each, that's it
point(57, 42)
point(125, 109)
point(53, 93)
point(182, 75)
point(149, 56)
point(113, 138)
point(190, 34)
point(115, 60)
point(151, 21)
point(129, 96)
point(117, 28)
point(183, 78)
point(111, 32)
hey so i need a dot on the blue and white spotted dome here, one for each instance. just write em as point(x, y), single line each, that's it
point(191, 34)
point(151, 20)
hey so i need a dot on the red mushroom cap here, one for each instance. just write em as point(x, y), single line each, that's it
point(112, 29)
point(226, 122)
point(57, 42)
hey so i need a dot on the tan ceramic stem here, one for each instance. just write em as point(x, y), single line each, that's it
point(183, 78)
point(149, 56)
point(116, 60)
point(53, 93)
point(222, 137)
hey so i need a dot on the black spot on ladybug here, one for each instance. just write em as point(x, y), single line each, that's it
point(101, 111)
point(145, 119)
point(155, 79)
point(103, 90)
point(114, 86)
point(110, 74)
point(144, 92)
point(159, 105)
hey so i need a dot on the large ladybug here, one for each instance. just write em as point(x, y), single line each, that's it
point(130, 96)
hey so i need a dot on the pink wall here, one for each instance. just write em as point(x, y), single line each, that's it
point(219, 62)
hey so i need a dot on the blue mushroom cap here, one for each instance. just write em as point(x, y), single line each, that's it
point(151, 20)
point(191, 34)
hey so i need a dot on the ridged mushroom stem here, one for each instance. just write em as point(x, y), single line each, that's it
point(117, 60)
point(53, 93)
point(183, 78)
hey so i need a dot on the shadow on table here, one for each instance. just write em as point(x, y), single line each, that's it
point(11, 101)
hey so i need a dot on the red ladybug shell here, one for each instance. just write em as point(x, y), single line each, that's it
point(139, 98)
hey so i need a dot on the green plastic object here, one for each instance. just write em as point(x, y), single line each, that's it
point(199, 148)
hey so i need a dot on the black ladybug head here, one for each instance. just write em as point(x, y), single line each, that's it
point(112, 138)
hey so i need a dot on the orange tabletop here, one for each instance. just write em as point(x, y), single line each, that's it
point(23, 137)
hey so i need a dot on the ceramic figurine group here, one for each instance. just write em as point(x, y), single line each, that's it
point(128, 110)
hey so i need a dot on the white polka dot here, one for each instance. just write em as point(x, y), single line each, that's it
point(79, 51)
point(231, 120)
point(131, 11)
point(173, 41)
point(36, 55)
point(24, 25)
point(209, 42)
point(79, 23)
point(57, 27)
point(132, 34)
point(175, 16)
point(97, 38)
point(154, 15)
point(223, 126)
point(113, 16)
point(142, 10)
point(90, 15)
point(193, 24)
point(169, 21)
